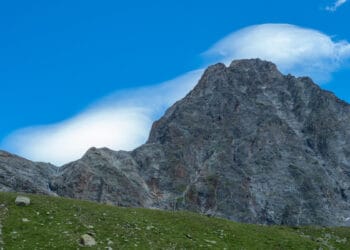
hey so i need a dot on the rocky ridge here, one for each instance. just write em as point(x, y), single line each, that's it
point(247, 143)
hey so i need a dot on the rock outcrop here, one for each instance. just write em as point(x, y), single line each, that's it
point(21, 175)
point(105, 176)
point(247, 143)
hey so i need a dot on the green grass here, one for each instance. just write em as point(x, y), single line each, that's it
point(58, 223)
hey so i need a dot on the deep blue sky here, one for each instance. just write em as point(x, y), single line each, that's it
point(58, 57)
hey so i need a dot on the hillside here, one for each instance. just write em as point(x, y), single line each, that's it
point(58, 223)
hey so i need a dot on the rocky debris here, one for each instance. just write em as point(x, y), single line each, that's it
point(341, 240)
point(247, 143)
point(87, 240)
point(1, 240)
point(3, 212)
point(22, 201)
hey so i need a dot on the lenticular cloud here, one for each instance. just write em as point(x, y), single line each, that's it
point(121, 121)
point(294, 49)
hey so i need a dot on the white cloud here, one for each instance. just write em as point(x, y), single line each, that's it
point(60, 143)
point(294, 49)
point(335, 5)
point(120, 121)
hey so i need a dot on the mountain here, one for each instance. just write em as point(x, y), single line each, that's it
point(247, 143)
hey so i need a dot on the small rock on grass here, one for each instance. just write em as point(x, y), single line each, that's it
point(210, 241)
point(87, 240)
point(22, 201)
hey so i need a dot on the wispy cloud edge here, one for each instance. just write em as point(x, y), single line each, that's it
point(335, 5)
point(121, 121)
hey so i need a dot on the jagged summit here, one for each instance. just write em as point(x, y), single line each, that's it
point(247, 143)
point(261, 65)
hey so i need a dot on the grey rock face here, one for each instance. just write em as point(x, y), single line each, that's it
point(105, 176)
point(20, 175)
point(247, 143)
point(253, 145)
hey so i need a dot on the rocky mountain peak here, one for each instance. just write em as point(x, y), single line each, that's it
point(254, 64)
point(254, 145)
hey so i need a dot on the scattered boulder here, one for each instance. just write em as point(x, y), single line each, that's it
point(87, 240)
point(22, 201)
point(25, 220)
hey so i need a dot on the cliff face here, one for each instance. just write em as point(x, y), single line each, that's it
point(105, 176)
point(247, 143)
point(253, 145)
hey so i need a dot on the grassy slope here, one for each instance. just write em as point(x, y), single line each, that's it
point(58, 223)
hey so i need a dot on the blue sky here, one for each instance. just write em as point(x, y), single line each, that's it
point(65, 60)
